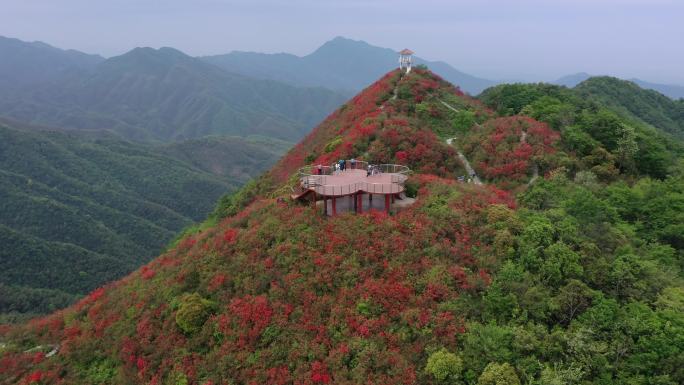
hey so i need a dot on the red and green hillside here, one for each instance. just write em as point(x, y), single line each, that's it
point(559, 281)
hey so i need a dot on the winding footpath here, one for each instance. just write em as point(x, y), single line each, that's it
point(466, 164)
point(535, 167)
point(448, 106)
point(469, 169)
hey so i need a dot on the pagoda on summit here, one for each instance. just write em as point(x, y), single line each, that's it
point(405, 59)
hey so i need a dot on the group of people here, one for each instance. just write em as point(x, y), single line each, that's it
point(373, 170)
point(342, 164)
point(471, 177)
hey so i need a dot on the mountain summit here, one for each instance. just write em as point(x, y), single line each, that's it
point(533, 276)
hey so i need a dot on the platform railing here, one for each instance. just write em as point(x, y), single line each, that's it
point(311, 169)
point(316, 177)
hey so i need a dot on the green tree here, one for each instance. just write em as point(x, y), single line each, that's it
point(445, 367)
point(498, 374)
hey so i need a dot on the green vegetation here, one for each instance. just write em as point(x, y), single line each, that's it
point(76, 213)
point(630, 100)
point(498, 374)
point(602, 138)
point(193, 312)
point(445, 367)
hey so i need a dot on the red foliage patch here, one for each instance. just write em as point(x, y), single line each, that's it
point(319, 373)
point(147, 273)
point(505, 147)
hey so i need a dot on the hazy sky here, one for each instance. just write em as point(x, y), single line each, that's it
point(504, 39)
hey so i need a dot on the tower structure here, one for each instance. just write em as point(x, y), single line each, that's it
point(405, 59)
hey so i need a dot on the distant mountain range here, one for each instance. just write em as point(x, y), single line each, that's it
point(152, 95)
point(340, 64)
point(672, 91)
point(29, 64)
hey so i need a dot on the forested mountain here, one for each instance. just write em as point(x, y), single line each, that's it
point(339, 64)
point(164, 95)
point(672, 91)
point(28, 64)
point(236, 158)
point(563, 267)
point(630, 99)
point(76, 212)
point(617, 135)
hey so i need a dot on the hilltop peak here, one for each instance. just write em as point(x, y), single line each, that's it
point(148, 52)
point(272, 291)
point(340, 46)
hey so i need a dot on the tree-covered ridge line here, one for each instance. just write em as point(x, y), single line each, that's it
point(599, 137)
point(573, 279)
point(152, 95)
point(76, 213)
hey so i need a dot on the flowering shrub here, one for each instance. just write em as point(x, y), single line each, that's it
point(505, 148)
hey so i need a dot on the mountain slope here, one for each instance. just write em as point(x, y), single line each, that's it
point(627, 97)
point(76, 213)
point(597, 125)
point(565, 279)
point(339, 64)
point(164, 95)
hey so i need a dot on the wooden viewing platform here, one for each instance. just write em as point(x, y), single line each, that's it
point(355, 181)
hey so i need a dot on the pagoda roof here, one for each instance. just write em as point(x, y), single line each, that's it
point(406, 51)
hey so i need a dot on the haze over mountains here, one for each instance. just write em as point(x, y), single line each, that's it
point(154, 95)
point(340, 64)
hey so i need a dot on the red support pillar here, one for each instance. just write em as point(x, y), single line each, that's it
point(387, 203)
point(334, 206)
point(360, 203)
point(325, 205)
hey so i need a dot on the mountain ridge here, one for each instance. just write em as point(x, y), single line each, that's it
point(672, 91)
point(340, 63)
point(162, 94)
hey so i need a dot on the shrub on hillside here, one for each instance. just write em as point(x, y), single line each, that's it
point(193, 311)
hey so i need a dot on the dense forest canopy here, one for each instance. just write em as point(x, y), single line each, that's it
point(77, 212)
